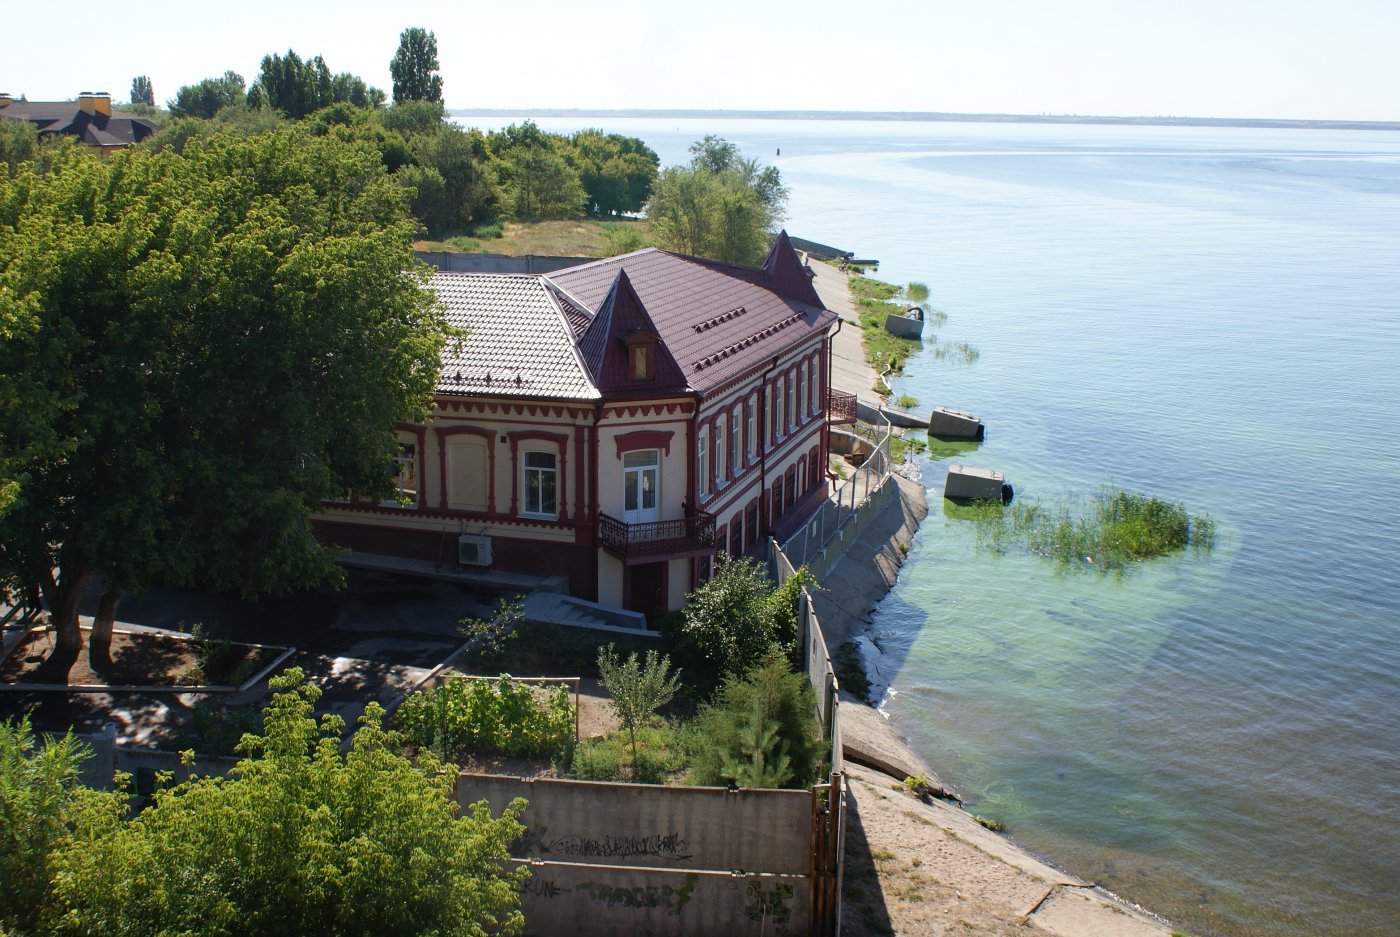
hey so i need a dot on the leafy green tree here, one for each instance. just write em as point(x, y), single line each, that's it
point(351, 89)
point(208, 96)
point(411, 118)
point(721, 206)
point(43, 806)
point(617, 172)
point(18, 144)
point(761, 731)
point(142, 92)
point(537, 183)
point(302, 839)
point(469, 192)
point(728, 618)
point(414, 67)
point(638, 687)
point(213, 344)
point(293, 86)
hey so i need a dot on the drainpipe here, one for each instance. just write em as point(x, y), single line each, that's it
point(765, 522)
point(826, 429)
point(691, 504)
point(593, 491)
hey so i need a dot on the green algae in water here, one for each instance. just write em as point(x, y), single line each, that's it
point(1112, 531)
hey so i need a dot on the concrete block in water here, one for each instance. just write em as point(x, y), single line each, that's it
point(964, 481)
point(954, 424)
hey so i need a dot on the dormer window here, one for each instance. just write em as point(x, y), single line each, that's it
point(641, 357)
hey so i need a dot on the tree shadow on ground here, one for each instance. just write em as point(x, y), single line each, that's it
point(863, 911)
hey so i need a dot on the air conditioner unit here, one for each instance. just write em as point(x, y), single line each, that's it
point(474, 549)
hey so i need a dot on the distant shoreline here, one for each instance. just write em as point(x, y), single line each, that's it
point(940, 116)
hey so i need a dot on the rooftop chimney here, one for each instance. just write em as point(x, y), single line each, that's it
point(95, 102)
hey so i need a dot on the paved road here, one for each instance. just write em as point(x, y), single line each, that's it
point(849, 372)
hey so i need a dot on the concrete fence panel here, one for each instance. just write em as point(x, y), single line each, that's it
point(623, 901)
point(654, 826)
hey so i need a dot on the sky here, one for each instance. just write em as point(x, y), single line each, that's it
point(1185, 58)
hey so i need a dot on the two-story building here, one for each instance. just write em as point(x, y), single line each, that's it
point(616, 422)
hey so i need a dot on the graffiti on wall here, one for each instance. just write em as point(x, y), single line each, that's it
point(769, 904)
point(642, 896)
point(671, 846)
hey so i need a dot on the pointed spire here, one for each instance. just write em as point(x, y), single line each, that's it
point(620, 316)
point(786, 275)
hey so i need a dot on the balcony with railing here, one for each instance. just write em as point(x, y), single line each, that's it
point(841, 407)
point(657, 540)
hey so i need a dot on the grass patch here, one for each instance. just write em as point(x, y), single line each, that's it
point(660, 756)
point(544, 650)
point(906, 402)
point(1115, 529)
point(901, 447)
point(872, 300)
point(584, 237)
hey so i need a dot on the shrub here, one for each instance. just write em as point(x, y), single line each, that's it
point(759, 732)
point(659, 754)
point(638, 686)
point(502, 715)
point(488, 231)
point(737, 617)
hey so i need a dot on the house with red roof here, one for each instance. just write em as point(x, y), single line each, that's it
point(616, 423)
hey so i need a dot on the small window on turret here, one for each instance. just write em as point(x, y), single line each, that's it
point(641, 362)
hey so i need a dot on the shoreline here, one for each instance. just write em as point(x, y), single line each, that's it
point(992, 884)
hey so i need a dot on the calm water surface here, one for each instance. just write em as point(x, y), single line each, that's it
point(1209, 315)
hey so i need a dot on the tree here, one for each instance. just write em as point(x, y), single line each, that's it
point(469, 192)
point(538, 183)
point(142, 92)
point(639, 687)
point(721, 206)
point(18, 144)
point(302, 839)
point(617, 172)
point(42, 806)
point(414, 67)
point(214, 343)
point(351, 89)
point(728, 619)
point(760, 731)
point(206, 98)
point(293, 86)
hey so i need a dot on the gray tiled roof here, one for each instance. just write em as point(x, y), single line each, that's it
point(519, 342)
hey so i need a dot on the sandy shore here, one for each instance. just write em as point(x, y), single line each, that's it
point(925, 866)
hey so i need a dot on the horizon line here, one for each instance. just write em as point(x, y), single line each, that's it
point(946, 116)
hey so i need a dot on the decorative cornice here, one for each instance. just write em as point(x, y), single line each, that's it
point(644, 439)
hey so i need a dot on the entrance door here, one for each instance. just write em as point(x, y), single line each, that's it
point(648, 589)
point(641, 475)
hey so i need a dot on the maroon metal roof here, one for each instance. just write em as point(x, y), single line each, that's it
point(716, 320)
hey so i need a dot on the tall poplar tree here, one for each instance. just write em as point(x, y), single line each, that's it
point(141, 91)
point(415, 67)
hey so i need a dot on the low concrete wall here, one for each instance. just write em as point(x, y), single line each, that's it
point(453, 262)
point(566, 898)
point(653, 826)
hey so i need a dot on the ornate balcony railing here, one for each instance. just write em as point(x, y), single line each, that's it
point(841, 407)
point(692, 534)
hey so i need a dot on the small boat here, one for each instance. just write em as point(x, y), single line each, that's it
point(908, 324)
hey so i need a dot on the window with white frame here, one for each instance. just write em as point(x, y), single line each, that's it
point(802, 394)
point(702, 462)
point(791, 410)
point(404, 473)
point(541, 484)
point(813, 387)
point(779, 418)
point(752, 437)
point(736, 440)
point(720, 464)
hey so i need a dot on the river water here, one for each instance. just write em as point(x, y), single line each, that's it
point(1209, 315)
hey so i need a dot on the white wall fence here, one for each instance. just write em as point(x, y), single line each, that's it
point(820, 543)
